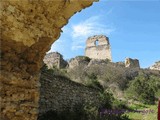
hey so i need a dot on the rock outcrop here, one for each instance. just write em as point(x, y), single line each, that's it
point(54, 59)
point(132, 63)
point(156, 66)
point(28, 28)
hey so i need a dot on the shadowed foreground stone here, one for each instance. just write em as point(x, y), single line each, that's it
point(28, 28)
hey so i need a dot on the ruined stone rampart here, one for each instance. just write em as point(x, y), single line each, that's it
point(132, 63)
point(98, 47)
point(58, 94)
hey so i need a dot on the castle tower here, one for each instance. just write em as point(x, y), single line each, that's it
point(98, 47)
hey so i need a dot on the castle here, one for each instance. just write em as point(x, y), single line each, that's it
point(98, 47)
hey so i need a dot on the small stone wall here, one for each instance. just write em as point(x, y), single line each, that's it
point(58, 93)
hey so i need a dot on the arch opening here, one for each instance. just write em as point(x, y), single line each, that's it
point(96, 43)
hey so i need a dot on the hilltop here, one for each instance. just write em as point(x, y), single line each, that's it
point(102, 83)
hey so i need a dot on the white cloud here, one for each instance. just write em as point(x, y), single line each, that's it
point(78, 33)
point(76, 47)
point(87, 28)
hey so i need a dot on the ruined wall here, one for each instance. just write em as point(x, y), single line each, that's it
point(54, 59)
point(156, 66)
point(78, 61)
point(101, 50)
point(132, 63)
point(58, 94)
point(28, 28)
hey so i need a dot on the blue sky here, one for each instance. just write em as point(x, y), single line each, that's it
point(133, 27)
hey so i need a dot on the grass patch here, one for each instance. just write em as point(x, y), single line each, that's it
point(147, 112)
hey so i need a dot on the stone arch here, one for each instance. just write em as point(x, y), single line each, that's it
point(28, 28)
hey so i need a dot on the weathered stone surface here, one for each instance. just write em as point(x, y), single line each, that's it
point(156, 66)
point(133, 63)
point(28, 28)
point(54, 59)
point(29, 20)
point(98, 47)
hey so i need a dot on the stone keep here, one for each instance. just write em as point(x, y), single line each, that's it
point(98, 47)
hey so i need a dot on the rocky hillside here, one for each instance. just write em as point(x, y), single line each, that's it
point(97, 84)
point(63, 99)
point(103, 73)
point(114, 77)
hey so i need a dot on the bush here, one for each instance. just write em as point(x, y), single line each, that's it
point(144, 88)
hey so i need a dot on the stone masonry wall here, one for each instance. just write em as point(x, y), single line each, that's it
point(59, 93)
point(27, 30)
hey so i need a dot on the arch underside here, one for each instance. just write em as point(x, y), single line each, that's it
point(28, 28)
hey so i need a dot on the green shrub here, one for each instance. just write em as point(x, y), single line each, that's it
point(93, 82)
point(81, 112)
point(144, 88)
point(119, 104)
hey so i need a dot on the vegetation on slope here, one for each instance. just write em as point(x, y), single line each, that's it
point(85, 111)
point(119, 87)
